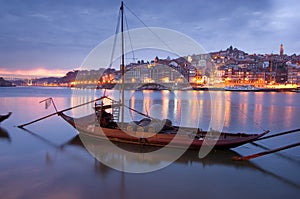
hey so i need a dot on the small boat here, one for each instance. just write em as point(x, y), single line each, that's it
point(296, 90)
point(149, 131)
point(243, 88)
point(4, 117)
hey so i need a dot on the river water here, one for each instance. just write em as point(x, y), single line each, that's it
point(48, 160)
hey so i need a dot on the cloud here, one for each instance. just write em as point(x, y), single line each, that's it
point(62, 33)
point(33, 72)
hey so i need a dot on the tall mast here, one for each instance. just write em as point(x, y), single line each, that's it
point(122, 64)
point(271, 69)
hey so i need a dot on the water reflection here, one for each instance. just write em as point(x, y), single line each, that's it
point(258, 108)
point(49, 156)
point(4, 135)
point(246, 112)
point(219, 158)
point(216, 157)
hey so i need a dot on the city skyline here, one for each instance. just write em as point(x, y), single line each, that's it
point(48, 37)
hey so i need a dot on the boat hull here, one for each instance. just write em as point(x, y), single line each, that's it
point(242, 88)
point(188, 138)
point(4, 117)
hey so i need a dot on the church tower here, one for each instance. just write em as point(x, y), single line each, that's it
point(281, 49)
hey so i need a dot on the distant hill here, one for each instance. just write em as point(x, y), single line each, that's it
point(67, 79)
point(5, 83)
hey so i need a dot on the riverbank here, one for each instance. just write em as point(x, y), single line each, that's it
point(5, 83)
point(164, 87)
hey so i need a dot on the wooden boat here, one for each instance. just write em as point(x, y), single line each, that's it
point(4, 117)
point(150, 132)
point(172, 136)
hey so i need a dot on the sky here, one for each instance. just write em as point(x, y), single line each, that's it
point(52, 37)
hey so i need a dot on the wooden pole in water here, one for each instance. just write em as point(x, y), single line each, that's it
point(249, 157)
point(58, 112)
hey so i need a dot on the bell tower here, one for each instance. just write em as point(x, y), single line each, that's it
point(281, 49)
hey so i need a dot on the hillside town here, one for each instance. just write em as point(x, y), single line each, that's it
point(216, 69)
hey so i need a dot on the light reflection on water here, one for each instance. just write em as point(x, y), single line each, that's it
point(245, 111)
point(48, 162)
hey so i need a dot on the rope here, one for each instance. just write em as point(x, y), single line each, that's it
point(143, 114)
point(115, 40)
point(149, 29)
point(130, 41)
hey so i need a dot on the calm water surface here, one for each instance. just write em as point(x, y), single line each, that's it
point(49, 161)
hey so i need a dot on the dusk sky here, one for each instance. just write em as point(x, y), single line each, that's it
point(48, 36)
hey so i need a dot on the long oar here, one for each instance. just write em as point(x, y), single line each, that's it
point(278, 154)
point(57, 113)
point(279, 134)
point(22, 125)
point(265, 152)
